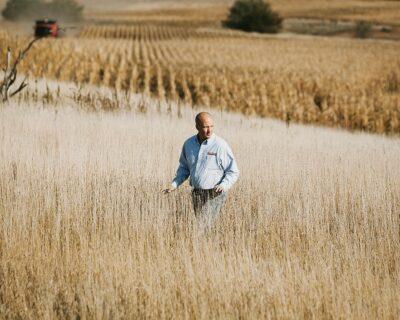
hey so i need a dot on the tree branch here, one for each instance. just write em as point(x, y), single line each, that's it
point(20, 88)
point(10, 73)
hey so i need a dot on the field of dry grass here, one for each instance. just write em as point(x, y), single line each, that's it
point(212, 12)
point(311, 229)
point(353, 10)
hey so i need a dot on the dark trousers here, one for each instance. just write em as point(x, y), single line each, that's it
point(207, 205)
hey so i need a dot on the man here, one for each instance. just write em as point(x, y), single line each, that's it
point(210, 163)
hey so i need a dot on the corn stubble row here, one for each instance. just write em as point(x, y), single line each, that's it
point(332, 82)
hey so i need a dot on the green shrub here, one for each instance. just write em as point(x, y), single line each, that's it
point(66, 10)
point(253, 15)
point(363, 29)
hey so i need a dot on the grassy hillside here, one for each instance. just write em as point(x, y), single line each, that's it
point(376, 11)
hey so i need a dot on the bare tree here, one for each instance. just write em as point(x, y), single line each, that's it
point(10, 73)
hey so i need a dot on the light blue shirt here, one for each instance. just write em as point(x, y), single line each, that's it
point(208, 164)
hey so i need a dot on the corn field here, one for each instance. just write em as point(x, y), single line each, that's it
point(332, 82)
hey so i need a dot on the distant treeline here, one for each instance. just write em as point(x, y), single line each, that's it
point(66, 10)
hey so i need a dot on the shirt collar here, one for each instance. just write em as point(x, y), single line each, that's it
point(207, 141)
point(211, 139)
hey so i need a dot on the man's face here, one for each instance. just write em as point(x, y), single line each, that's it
point(205, 127)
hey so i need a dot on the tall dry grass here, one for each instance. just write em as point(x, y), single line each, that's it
point(311, 229)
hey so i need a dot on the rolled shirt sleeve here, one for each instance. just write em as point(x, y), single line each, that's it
point(231, 170)
point(182, 173)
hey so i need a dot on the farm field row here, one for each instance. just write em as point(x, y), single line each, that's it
point(345, 83)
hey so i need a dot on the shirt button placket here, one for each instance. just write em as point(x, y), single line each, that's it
point(203, 155)
point(199, 162)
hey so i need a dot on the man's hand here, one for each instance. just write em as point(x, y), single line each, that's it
point(168, 190)
point(219, 189)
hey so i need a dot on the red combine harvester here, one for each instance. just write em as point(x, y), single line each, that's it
point(46, 28)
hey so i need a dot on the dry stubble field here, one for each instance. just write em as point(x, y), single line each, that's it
point(311, 229)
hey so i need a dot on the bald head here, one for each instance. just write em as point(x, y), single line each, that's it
point(201, 117)
point(204, 125)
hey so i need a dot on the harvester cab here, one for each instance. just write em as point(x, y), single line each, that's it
point(46, 28)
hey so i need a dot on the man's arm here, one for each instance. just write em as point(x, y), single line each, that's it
point(231, 170)
point(182, 173)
